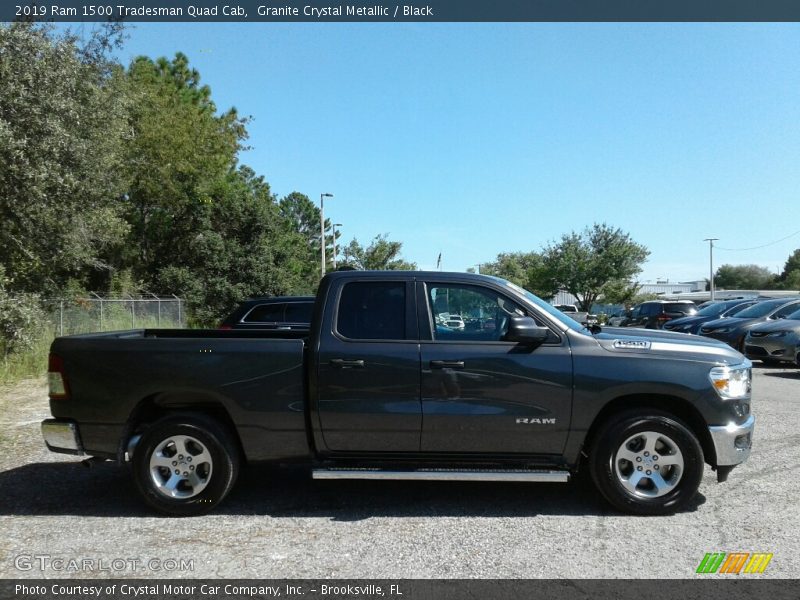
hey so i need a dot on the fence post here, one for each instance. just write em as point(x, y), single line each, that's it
point(61, 318)
point(133, 312)
point(180, 318)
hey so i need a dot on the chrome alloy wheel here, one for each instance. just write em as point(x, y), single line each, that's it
point(648, 464)
point(180, 467)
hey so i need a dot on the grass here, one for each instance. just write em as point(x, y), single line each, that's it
point(33, 362)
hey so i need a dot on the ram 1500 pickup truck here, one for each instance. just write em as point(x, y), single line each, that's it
point(381, 389)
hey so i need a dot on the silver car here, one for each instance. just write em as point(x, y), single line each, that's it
point(775, 342)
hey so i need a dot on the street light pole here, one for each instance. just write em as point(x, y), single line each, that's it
point(711, 264)
point(322, 226)
point(335, 225)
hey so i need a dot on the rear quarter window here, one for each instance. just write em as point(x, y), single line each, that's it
point(372, 310)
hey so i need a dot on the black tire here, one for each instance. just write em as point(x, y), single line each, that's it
point(206, 458)
point(658, 488)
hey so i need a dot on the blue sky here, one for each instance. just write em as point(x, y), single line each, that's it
point(476, 139)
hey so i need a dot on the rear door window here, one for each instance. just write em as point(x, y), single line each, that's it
point(372, 310)
point(266, 313)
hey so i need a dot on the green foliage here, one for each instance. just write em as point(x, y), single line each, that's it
point(63, 122)
point(621, 292)
point(584, 263)
point(381, 255)
point(744, 277)
point(526, 269)
point(21, 320)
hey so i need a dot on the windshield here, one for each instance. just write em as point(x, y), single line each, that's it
point(712, 310)
point(548, 308)
point(761, 309)
point(795, 316)
point(737, 309)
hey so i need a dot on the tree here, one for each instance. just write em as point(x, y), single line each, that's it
point(621, 292)
point(790, 277)
point(181, 150)
point(381, 254)
point(303, 217)
point(739, 277)
point(63, 123)
point(526, 269)
point(583, 264)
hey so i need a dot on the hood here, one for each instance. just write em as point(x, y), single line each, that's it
point(730, 322)
point(778, 325)
point(667, 344)
point(686, 320)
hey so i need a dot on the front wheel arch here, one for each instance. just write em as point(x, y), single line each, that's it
point(646, 462)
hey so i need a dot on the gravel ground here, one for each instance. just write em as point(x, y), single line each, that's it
point(283, 525)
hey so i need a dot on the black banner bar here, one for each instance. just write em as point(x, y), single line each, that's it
point(712, 588)
point(356, 11)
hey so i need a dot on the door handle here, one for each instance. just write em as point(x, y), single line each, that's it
point(447, 364)
point(341, 363)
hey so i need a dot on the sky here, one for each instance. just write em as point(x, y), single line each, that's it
point(474, 139)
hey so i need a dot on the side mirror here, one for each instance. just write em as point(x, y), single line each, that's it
point(525, 331)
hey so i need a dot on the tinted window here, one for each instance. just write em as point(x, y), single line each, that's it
point(686, 308)
point(651, 309)
point(785, 311)
point(738, 308)
point(762, 309)
point(372, 311)
point(485, 313)
point(299, 312)
point(266, 313)
point(712, 310)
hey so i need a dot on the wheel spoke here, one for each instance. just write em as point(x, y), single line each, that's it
point(196, 481)
point(159, 460)
point(180, 445)
point(632, 481)
point(661, 485)
point(625, 454)
point(203, 457)
point(668, 460)
point(650, 441)
point(172, 483)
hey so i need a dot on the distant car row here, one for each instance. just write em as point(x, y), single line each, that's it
point(766, 330)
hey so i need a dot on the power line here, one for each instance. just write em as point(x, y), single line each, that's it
point(758, 247)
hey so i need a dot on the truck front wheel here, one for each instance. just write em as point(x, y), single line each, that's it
point(185, 464)
point(646, 462)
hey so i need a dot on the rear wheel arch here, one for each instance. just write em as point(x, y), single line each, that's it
point(157, 406)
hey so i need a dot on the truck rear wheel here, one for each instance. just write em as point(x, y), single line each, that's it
point(646, 462)
point(185, 464)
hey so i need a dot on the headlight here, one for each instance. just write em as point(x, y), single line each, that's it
point(721, 330)
point(732, 382)
point(777, 334)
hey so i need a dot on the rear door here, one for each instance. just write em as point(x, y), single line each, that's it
point(480, 393)
point(368, 379)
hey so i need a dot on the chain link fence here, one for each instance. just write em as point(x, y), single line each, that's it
point(109, 313)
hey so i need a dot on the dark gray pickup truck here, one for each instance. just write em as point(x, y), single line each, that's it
point(382, 388)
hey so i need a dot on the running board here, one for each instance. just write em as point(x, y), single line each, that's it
point(445, 475)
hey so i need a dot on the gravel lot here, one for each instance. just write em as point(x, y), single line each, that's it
point(283, 525)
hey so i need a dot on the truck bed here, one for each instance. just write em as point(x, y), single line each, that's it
point(255, 379)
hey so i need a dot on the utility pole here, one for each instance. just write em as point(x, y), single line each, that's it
point(711, 264)
point(335, 225)
point(322, 226)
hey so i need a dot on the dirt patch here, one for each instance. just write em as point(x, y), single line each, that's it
point(23, 406)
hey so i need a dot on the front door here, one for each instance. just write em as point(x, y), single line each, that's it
point(484, 395)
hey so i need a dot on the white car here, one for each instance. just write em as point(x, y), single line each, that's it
point(454, 322)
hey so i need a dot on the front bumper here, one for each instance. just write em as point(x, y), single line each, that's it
point(733, 442)
point(62, 436)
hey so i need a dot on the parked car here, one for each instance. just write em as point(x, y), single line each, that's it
point(376, 389)
point(584, 318)
point(276, 312)
point(653, 314)
point(715, 310)
point(775, 342)
point(454, 322)
point(733, 330)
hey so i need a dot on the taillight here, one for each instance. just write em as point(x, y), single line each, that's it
point(56, 379)
point(225, 327)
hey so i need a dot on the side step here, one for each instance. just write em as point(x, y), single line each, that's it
point(446, 475)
